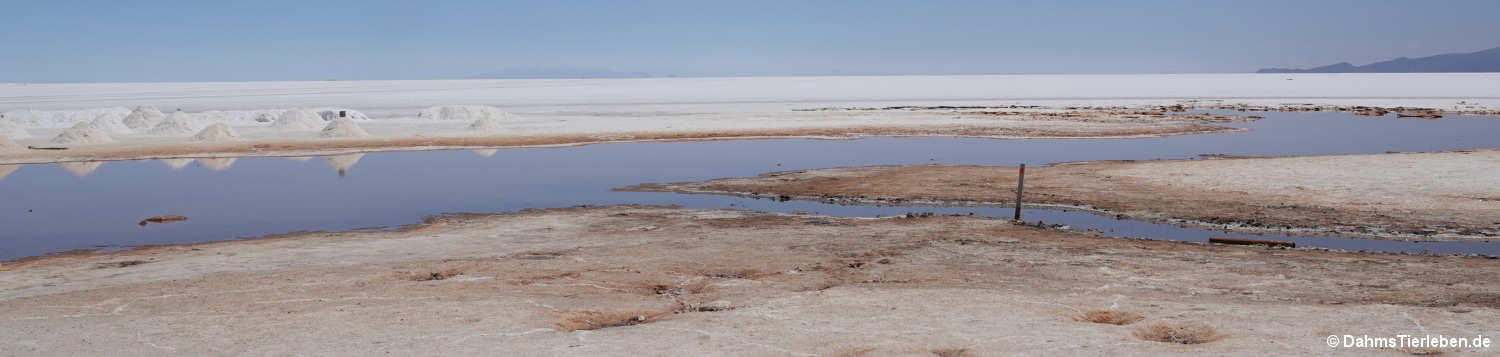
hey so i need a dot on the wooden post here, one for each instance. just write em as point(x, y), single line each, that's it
point(1020, 182)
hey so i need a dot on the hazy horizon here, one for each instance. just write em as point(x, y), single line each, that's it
point(172, 41)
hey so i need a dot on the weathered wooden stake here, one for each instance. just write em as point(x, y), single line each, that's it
point(1020, 182)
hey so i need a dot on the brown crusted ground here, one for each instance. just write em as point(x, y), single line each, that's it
point(630, 280)
point(1404, 196)
point(245, 148)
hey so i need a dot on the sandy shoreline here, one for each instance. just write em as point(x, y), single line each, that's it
point(1449, 196)
point(651, 280)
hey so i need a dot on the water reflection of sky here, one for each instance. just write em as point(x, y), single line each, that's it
point(55, 207)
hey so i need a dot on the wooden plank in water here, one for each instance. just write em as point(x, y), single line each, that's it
point(1242, 241)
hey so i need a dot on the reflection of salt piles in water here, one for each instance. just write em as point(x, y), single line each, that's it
point(176, 123)
point(176, 164)
point(5, 170)
point(486, 152)
point(218, 163)
point(142, 118)
point(82, 133)
point(343, 162)
point(81, 169)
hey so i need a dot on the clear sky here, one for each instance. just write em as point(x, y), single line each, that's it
point(143, 40)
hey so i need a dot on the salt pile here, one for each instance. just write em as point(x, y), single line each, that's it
point(7, 146)
point(142, 118)
point(216, 132)
point(177, 123)
point(486, 152)
point(82, 133)
point(485, 126)
point(298, 119)
point(58, 118)
point(343, 128)
point(217, 164)
point(237, 117)
point(9, 129)
point(110, 123)
point(331, 113)
point(176, 164)
point(80, 169)
point(463, 112)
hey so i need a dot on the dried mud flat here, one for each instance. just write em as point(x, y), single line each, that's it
point(634, 280)
point(1409, 196)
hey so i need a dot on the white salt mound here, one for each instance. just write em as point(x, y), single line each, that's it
point(299, 119)
point(10, 129)
point(177, 123)
point(142, 118)
point(216, 132)
point(82, 133)
point(6, 145)
point(58, 118)
point(343, 128)
point(331, 113)
point(485, 125)
point(486, 152)
point(110, 123)
point(463, 112)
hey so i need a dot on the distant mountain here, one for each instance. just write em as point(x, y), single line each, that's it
point(1482, 61)
point(559, 72)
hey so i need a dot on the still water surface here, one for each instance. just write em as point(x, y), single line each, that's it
point(58, 207)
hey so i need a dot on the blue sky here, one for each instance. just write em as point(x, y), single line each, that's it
point(81, 41)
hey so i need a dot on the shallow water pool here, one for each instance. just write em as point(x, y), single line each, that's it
point(59, 207)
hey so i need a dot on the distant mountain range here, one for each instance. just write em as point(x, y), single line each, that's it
point(1482, 61)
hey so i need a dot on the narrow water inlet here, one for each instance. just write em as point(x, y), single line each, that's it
point(1109, 226)
point(59, 207)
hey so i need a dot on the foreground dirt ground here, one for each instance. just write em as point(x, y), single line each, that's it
point(631, 280)
point(1417, 196)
